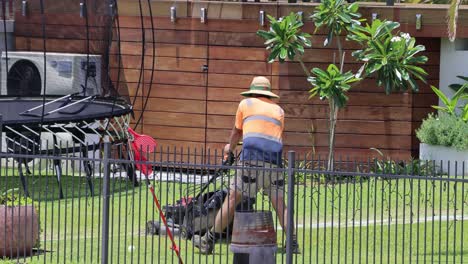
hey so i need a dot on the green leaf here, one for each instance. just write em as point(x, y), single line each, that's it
point(291, 54)
point(460, 91)
point(388, 85)
point(441, 95)
point(418, 60)
point(464, 114)
point(283, 53)
point(313, 92)
point(353, 7)
point(274, 54)
point(398, 74)
point(344, 17)
point(320, 73)
point(374, 67)
point(439, 108)
point(265, 34)
point(277, 29)
point(455, 87)
point(416, 69)
point(414, 85)
point(300, 49)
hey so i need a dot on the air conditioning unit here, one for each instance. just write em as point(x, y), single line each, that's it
point(64, 74)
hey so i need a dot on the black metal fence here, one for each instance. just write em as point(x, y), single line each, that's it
point(378, 211)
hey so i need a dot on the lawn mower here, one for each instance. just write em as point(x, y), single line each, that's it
point(196, 211)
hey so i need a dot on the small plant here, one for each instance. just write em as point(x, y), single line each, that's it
point(13, 197)
point(285, 39)
point(444, 130)
point(450, 126)
point(412, 167)
point(451, 105)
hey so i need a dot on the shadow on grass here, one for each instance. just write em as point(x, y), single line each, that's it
point(449, 253)
point(46, 188)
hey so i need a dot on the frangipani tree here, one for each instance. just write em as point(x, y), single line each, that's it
point(390, 57)
point(285, 39)
point(387, 55)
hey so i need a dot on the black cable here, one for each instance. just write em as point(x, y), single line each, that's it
point(142, 65)
point(107, 83)
point(115, 19)
point(106, 58)
point(153, 42)
point(43, 18)
point(206, 86)
point(86, 67)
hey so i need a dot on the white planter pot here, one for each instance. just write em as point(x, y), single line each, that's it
point(452, 159)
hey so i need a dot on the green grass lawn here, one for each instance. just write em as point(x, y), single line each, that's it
point(384, 221)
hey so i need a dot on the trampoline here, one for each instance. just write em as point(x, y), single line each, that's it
point(25, 121)
point(58, 88)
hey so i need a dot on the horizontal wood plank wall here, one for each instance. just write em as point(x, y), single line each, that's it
point(61, 29)
point(189, 108)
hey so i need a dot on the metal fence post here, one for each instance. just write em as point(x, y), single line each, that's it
point(290, 215)
point(105, 199)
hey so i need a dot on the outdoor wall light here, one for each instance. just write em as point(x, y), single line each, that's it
point(173, 14)
point(24, 8)
point(374, 16)
point(111, 10)
point(82, 10)
point(301, 15)
point(203, 15)
point(261, 18)
point(418, 21)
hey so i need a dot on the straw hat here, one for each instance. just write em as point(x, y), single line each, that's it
point(260, 85)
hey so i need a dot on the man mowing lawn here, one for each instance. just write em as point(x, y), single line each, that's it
point(260, 122)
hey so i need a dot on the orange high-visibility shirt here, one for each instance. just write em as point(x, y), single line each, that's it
point(262, 123)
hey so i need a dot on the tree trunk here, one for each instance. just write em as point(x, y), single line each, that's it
point(333, 115)
point(331, 139)
point(304, 68)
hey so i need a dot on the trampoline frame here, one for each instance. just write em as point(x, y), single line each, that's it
point(113, 125)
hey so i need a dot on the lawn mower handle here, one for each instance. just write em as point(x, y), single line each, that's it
point(226, 162)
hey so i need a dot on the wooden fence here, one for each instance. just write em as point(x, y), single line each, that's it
point(200, 69)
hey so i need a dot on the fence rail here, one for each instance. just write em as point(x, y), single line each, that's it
point(379, 211)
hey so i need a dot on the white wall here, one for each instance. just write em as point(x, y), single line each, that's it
point(10, 41)
point(453, 62)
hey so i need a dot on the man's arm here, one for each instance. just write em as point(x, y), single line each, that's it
point(236, 135)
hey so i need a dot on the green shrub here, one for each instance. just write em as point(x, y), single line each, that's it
point(14, 198)
point(444, 130)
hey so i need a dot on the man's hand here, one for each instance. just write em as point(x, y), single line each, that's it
point(228, 158)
